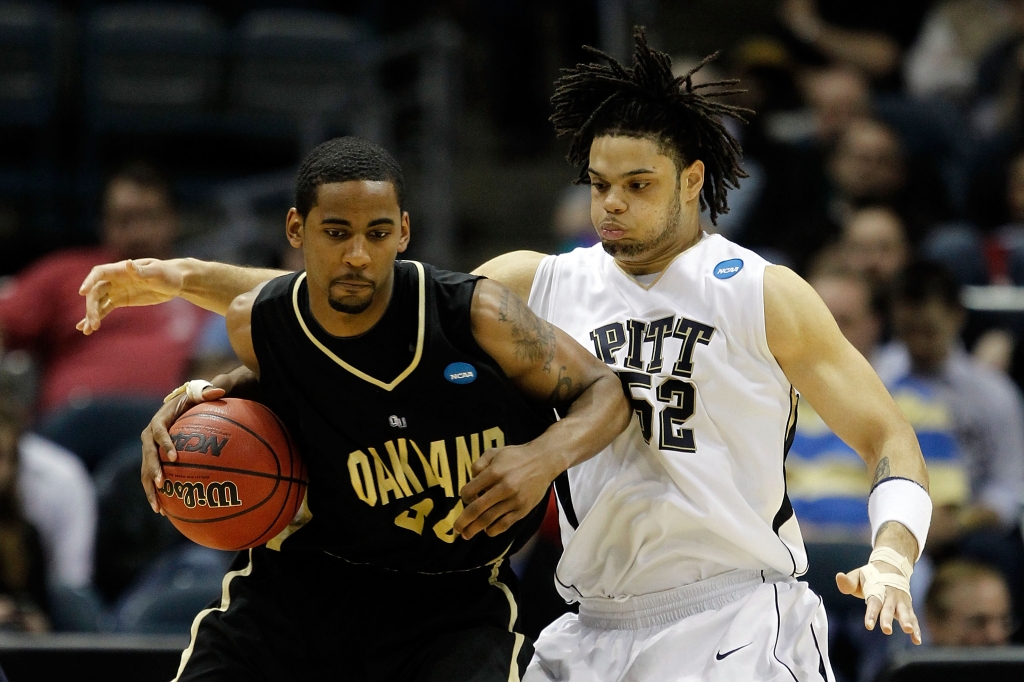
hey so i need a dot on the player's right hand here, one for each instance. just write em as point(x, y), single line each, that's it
point(156, 436)
point(141, 282)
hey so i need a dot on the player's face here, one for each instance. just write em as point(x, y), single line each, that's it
point(644, 209)
point(350, 240)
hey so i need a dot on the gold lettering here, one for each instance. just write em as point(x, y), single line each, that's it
point(428, 472)
point(464, 460)
point(445, 528)
point(362, 484)
point(385, 480)
point(396, 466)
point(494, 438)
point(403, 464)
point(415, 523)
point(439, 464)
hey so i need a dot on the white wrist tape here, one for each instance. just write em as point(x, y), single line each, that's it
point(192, 390)
point(874, 582)
point(905, 502)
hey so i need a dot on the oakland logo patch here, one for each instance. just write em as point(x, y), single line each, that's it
point(728, 268)
point(460, 373)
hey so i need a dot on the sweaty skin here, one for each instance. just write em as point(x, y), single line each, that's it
point(646, 212)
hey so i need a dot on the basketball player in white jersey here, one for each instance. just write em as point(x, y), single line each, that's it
point(681, 546)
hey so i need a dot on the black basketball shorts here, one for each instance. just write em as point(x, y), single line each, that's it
point(310, 616)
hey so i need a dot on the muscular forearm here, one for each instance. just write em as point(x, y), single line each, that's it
point(594, 419)
point(213, 285)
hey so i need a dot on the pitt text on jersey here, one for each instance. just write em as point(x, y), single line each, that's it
point(673, 400)
point(402, 469)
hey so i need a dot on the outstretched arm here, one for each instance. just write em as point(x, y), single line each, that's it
point(843, 388)
point(148, 281)
point(547, 365)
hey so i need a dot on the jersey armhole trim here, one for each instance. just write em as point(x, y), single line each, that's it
point(420, 328)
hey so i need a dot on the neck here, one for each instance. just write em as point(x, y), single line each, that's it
point(337, 323)
point(659, 259)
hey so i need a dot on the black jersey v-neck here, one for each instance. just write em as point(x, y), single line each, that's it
point(387, 348)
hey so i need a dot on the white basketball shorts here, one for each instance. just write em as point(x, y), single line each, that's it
point(742, 625)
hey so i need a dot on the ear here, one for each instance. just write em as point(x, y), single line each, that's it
point(692, 181)
point(403, 236)
point(293, 226)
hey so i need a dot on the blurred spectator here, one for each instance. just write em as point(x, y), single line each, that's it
point(837, 96)
point(988, 420)
point(869, 166)
point(142, 351)
point(869, 35)
point(778, 207)
point(955, 36)
point(874, 243)
point(573, 226)
point(968, 604)
point(22, 564)
point(827, 481)
point(60, 500)
point(850, 300)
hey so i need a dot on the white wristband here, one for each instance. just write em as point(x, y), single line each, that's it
point(903, 501)
point(193, 390)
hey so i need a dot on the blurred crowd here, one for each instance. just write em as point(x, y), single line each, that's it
point(885, 162)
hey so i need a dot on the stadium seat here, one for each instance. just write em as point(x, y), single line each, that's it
point(304, 73)
point(94, 429)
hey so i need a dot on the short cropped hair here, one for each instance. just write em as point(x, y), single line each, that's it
point(143, 174)
point(341, 160)
point(924, 281)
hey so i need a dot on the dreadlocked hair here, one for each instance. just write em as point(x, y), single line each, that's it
point(647, 101)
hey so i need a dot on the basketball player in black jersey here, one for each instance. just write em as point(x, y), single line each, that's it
point(400, 382)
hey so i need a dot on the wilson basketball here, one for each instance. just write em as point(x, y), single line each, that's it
point(238, 480)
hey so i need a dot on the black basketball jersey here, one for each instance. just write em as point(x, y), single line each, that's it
point(390, 422)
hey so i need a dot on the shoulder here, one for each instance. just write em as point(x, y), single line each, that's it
point(271, 289)
point(516, 270)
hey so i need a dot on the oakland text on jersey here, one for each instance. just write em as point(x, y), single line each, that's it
point(675, 399)
point(401, 469)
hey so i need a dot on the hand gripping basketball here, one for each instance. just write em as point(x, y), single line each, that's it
point(156, 436)
point(886, 593)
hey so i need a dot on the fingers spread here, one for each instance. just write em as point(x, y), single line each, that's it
point(908, 620)
point(888, 610)
point(874, 606)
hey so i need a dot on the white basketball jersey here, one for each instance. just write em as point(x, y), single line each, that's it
point(695, 486)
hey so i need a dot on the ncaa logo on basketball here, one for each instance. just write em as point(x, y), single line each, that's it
point(460, 373)
point(728, 268)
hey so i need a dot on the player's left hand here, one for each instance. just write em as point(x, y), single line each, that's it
point(897, 603)
point(507, 484)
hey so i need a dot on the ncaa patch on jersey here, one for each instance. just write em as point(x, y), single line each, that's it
point(728, 268)
point(460, 373)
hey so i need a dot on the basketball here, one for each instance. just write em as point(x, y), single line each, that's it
point(238, 480)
